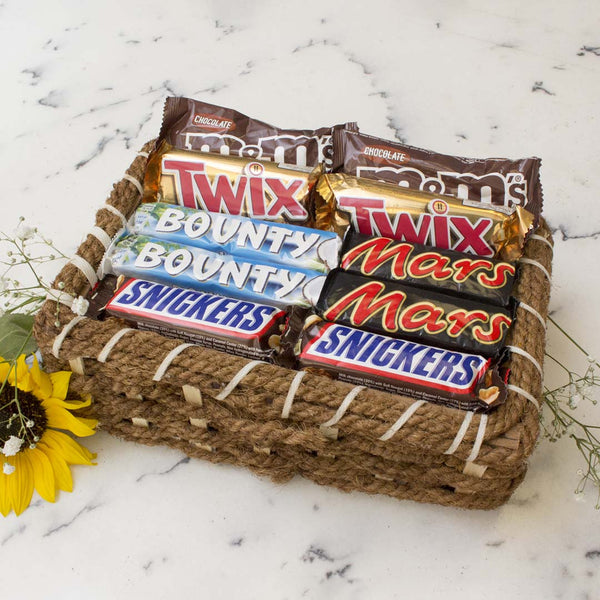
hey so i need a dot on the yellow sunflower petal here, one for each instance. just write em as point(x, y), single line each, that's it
point(4, 369)
point(20, 483)
point(91, 423)
point(43, 474)
point(62, 473)
point(68, 404)
point(68, 448)
point(41, 382)
point(60, 384)
point(5, 500)
point(59, 418)
point(23, 378)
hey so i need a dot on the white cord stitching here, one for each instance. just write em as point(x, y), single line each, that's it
point(60, 338)
point(58, 296)
point(135, 182)
point(289, 399)
point(343, 407)
point(237, 378)
point(535, 263)
point(524, 393)
point(108, 347)
point(86, 268)
point(478, 439)
point(117, 212)
point(460, 433)
point(528, 356)
point(406, 415)
point(167, 360)
point(535, 236)
point(534, 312)
point(101, 236)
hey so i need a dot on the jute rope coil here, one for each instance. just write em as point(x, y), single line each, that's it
point(280, 422)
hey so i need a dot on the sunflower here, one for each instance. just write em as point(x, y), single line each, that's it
point(36, 455)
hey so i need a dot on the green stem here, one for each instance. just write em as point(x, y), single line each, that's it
point(571, 339)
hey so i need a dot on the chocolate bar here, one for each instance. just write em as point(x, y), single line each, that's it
point(161, 261)
point(484, 279)
point(256, 240)
point(229, 184)
point(459, 380)
point(194, 125)
point(492, 182)
point(375, 208)
point(391, 308)
point(239, 327)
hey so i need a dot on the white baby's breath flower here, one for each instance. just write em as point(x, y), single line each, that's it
point(12, 445)
point(24, 232)
point(574, 401)
point(4, 284)
point(80, 306)
point(8, 469)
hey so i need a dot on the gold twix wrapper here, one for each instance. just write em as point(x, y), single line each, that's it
point(387, 210)
point(229, 184)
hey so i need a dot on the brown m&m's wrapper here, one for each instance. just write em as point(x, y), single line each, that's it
point(231, 185)
point(195, 125)
point(493, 182)
point(457, 273)
point(375, 208)
point(394, 309)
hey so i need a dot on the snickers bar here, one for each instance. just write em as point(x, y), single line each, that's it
point(484, 279)
point(391, 308)
point(459, 380)
point(164, 262)
point(236, 326)
point(375, 208)
point(256, 240)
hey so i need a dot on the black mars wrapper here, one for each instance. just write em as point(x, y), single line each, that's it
point(447, 271)
point(428, 317)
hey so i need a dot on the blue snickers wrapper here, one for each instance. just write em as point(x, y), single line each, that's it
point(161, 261)
point(254, 239)
point(456, 379)
point(238, 327)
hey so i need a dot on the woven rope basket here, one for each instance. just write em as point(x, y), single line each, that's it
point(278, 422)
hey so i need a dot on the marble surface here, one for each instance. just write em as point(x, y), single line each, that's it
point(83, 87)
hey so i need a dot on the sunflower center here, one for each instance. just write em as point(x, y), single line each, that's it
point(23, 417)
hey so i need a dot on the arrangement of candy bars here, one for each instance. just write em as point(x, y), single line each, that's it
point(329, 250)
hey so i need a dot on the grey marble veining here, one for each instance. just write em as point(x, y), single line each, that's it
point(84, 85)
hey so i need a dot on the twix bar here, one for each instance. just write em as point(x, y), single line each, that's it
point(229, 184)
point(375, 208)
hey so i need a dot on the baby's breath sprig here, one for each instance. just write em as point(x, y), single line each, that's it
point(562, 402)
point(22, 254)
